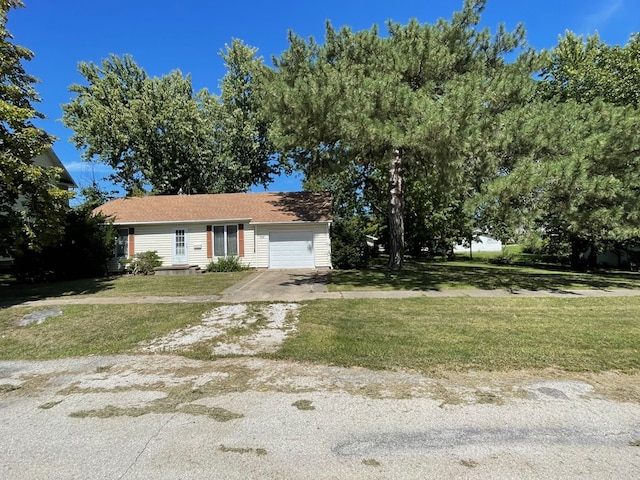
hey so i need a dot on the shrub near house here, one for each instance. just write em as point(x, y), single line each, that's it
point(143, 263)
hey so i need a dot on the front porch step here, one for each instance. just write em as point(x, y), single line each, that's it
point(178, 270)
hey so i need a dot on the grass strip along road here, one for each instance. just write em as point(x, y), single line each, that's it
point(423, 334)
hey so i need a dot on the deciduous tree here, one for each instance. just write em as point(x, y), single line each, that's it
point(32, 208)
point(160, 133)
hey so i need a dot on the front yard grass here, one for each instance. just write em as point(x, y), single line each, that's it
point(428, 335)
point(123, 286)
point(430, 275)
point(91, 329)
point(436, 334)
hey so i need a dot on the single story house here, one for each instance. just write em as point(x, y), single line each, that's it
point(266, 230)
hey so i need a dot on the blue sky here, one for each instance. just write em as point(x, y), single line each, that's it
point(164, 35)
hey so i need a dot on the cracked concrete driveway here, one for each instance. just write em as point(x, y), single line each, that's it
point(168, 417)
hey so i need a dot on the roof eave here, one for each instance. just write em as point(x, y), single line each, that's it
point(297, 222)
point(181, 222)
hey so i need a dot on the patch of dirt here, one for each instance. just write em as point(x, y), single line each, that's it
point(258, 451)
point(303, 405)
point(49, 405)
point(177, 400)
point(549, 384)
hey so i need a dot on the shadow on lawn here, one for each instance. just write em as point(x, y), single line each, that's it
point(438, 276)
point(13, 293)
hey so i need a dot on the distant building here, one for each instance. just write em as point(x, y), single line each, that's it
point(46, 159)
point(481, 243)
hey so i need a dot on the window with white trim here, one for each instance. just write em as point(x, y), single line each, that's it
point(225, 240)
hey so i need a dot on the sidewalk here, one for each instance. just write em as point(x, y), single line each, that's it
point(299, 296)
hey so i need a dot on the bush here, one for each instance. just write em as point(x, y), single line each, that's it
point(349, 247)
point(226, 264)
point(506, 257)
point(83, 251)
point(534, 243)
point(143, 263)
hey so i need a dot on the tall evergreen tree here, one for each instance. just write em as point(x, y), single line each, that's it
point(420, 102)
point(577, 174)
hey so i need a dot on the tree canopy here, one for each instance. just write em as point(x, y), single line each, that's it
point(577, 173)
point(31, 206)
point(160, 133)
point(415, 107)
point(434, 132)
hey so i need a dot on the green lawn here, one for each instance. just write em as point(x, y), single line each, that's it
point(435, 334)
point(91, 329)
point(423, 334)
point(124, 286)
point(431, 275)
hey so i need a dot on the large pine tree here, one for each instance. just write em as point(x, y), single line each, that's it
point(419, 104)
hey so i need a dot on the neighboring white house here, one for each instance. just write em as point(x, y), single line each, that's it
point(481, 243)
point(47, 159)
point(50, 159)
point(266, 230)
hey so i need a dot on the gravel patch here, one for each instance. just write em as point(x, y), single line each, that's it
point(39, 317)
point(266, 326)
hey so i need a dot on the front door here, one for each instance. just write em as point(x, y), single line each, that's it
point(180, 256)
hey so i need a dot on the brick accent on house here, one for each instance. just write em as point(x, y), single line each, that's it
point(132, 242)
point(209, 241)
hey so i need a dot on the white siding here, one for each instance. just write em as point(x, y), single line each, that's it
point(155, 237)
point(322, 246)
point(262, 246)
point(197, 245)
point(256, 242)
point(249, 245)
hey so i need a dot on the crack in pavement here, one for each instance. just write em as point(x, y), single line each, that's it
point(146, 445)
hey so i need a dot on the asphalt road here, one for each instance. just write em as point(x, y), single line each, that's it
point(167, 417)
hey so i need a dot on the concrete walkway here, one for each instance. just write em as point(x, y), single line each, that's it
point(302, 285)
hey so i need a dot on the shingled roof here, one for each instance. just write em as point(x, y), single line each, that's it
point(265, 207)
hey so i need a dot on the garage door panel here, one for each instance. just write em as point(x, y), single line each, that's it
point(292, 249)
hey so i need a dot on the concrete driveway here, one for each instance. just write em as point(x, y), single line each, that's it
point(280, 285)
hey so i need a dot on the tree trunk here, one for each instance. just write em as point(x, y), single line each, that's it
point(592, 260)
point(396, 213)
point(578, 247)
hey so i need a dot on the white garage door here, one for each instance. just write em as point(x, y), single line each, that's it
point(291, 250)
